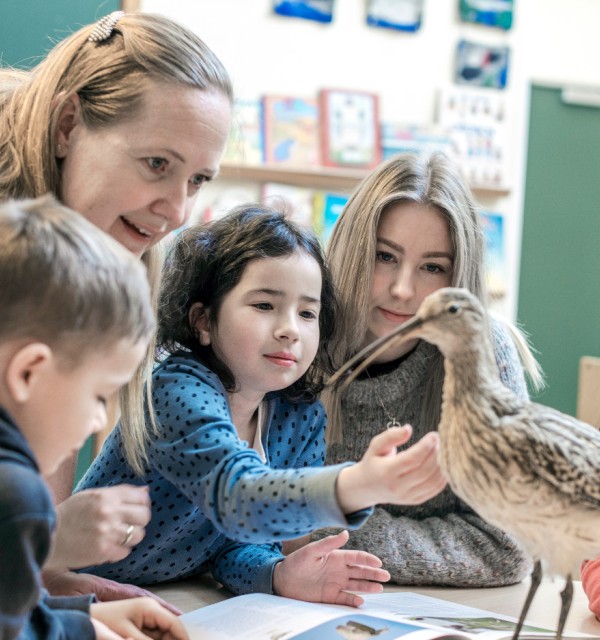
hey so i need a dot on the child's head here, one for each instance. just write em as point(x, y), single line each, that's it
point(258, 258)
point(76, 319)
point(428, 183)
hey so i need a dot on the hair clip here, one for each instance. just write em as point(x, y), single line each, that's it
point(104, 27)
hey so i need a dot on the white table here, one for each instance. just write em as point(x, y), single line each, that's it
point(199, 592)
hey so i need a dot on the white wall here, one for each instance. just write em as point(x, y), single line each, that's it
point(552, 41)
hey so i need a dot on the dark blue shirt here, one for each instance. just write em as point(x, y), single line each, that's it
point(27, 520)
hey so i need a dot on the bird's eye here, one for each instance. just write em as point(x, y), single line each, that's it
point(454, 308)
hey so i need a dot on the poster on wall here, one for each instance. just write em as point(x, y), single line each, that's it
point(492, 13)
point(475, 122)
point(318, 10)
point(481, 65)
point(349, 128)
point(402, 15)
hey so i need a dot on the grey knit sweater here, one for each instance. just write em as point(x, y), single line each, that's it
point(440, 542)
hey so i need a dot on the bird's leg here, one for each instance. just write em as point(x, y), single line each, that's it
point(536, 578)
point(566, 596)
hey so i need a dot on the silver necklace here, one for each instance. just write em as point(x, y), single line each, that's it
point(392, 422)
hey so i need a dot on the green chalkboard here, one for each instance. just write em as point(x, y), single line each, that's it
point(28, 30)
point(559, 291)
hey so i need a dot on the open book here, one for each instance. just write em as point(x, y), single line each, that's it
point(384, 616)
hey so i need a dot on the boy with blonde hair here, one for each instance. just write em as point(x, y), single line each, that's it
point(75, 322)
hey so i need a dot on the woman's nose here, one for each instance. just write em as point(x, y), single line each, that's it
point(175, 206)
point(403, 285)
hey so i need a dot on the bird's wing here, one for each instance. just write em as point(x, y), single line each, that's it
point(558, 449)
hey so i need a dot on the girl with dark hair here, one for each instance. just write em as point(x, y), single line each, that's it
point(235, 435)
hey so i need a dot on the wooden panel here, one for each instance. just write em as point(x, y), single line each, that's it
point(588, 397)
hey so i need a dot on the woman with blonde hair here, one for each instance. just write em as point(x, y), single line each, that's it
point(412, 227)
point(124, 121)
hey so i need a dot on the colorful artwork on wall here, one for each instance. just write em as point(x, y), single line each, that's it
point(481, 65)
point(492, 13)
point(318, 10)
point(403, 15)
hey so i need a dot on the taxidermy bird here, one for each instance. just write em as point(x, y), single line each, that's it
point(524, 467)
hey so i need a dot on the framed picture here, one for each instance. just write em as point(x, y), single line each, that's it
point(481, 65)
point(317, 10)
point(492, 13)
point(403, 15)
point(291, 130)
point(349, 128)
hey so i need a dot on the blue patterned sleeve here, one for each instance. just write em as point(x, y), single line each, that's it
point(246, 568)
point(197, 449)
point(295, 439)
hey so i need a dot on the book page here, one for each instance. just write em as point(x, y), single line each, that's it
point(264, 617)
point(425, 610)
point(386, 616)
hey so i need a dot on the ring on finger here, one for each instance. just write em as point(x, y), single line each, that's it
point(128, 535)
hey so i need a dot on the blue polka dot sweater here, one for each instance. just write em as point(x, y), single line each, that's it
point(215, 505)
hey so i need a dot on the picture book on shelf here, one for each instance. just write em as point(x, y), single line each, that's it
point(327, 209)
point(349, 128)
point(385, 616)
point(244, 144)
point(495, 272)
point(397, 138)
point(290, 130)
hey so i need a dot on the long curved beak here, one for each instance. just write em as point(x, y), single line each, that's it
point(351, 369)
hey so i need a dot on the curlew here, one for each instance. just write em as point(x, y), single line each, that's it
point(524, 467)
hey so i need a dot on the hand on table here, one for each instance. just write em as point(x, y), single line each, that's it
point(138, 619)
point(322, 572)
point(93, 526)
point(67, 583)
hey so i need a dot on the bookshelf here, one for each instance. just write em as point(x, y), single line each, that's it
point(327, 178)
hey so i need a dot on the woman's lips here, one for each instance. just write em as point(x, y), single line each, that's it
point(396, 318)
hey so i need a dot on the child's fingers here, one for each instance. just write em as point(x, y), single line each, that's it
point(364, 586)
point(361, 558)
point(348, 599)
point(330, 543)
point(386, 442)
point(369, 574)
point(421, 456)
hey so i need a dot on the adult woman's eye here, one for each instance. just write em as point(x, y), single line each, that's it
point(384, 256)
point(434, 268)
point(156, 164)
point(198, 180)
